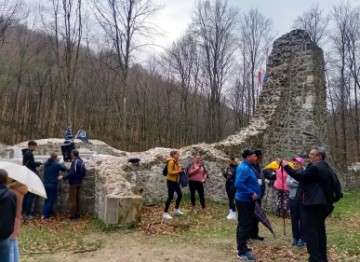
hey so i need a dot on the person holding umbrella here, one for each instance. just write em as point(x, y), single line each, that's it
point(20, 190)
point(7, 216)
point(247, 193)
point(261, 180)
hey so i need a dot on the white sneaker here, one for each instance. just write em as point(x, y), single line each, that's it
point(231, 216)
point(167, 216)
point(178, 212)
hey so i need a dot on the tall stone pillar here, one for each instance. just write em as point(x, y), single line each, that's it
point(296, 77)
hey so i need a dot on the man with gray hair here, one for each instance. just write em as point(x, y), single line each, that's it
point(7, 216)
point(315, 183)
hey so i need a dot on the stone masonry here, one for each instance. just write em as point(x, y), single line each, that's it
point(290, 118)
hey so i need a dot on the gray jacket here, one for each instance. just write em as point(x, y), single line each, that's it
point(293, 186)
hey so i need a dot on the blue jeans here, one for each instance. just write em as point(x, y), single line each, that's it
point(14, 251)
point(5, 250)
point(51, 191)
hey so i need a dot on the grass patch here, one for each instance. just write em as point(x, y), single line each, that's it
point(207, 229)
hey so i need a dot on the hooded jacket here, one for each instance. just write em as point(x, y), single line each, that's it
point(8, 212)
point(51, 171)
point(313, 181)
point(29, 160)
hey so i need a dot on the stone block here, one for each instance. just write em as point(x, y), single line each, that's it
point(111, 215)
point(130, 209)
point(123, 210)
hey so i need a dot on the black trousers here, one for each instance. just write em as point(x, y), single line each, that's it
point(315, 232)
point(199, 187)
point(172, 188)
point(297, 221)
point(231, 191)
point(245, 224)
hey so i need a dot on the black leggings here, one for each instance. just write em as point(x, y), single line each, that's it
point(231, 191)
point(173, 187)
point(199, 187)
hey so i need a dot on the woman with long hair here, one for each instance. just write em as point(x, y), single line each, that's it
point(173, 171)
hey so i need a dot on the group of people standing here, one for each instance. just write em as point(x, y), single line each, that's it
point(197, 176)
point(306, 189)
point(15, 200)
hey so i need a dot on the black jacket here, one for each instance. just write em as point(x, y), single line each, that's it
point(7, 213)
point(29, 160)
point(314, 182)
point(259, 175)
point(230, 178)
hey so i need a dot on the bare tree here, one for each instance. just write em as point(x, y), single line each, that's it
point(214, 25)
point(8, 9)
point(255, 39)
point(123, 22)
point(340, 16)
point(314, 22)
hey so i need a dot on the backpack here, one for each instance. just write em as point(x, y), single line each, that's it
point(165, 170)
point(334, 194)
point(82, 169)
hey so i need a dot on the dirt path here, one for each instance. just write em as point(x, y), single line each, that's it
point(135, 247)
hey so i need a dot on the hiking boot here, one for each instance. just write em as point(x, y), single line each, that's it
point(167, 216)
point(246, 257)
point(301, 243)
point(178, 212)
point(294, 242)
point(232, 215)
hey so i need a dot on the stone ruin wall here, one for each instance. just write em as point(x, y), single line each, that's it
point(290, 118)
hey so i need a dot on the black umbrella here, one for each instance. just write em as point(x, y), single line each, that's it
point(260, 215)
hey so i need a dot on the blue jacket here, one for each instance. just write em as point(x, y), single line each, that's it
point(51, 171)
point(77, 172)
point(246, 183)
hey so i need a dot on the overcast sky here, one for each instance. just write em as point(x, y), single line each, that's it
point(175, 15)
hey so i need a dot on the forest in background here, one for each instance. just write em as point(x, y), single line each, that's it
point(77, 62)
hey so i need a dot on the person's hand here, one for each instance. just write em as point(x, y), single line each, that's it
point(203, 180)
point(254, 196)
point(284, 163)
point(60, 178)
point(42, 162)
point(230, 173)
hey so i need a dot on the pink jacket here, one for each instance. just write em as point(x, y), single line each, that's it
point(280, 182)
point(196, 174)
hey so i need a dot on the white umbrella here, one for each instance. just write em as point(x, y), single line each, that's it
point(25, 176)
